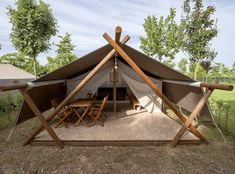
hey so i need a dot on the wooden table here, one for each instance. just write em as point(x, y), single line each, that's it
point(81, 103)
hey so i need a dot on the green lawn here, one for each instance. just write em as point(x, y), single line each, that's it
point(228, 97)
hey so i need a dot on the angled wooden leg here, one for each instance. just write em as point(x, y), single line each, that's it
point(37, 112)
point(95, 119)
point(61, 121)
point(81, 117)
point(190, 119)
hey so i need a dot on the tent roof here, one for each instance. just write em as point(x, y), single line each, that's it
point(41, 95)
point(87, 62)
point(8, 71)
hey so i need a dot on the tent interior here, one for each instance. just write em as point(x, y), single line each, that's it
point(145, 121)
point(128, 85)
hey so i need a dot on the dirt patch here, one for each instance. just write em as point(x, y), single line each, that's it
point(217, 157)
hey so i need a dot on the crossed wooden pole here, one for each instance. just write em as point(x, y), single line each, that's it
point(116, 44)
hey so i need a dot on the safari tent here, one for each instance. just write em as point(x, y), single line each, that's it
point(139, 88)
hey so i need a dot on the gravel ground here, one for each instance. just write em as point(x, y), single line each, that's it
point(217, 157)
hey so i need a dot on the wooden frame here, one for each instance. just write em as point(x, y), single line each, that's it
point(192, 116)
point(186, 122)
point(118, 32)
point(115, 76)
point(37, 112)
point(114, 142)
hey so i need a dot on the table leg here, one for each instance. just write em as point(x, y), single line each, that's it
point(81, 117)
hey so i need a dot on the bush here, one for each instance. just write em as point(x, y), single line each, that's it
point(221, 111)
point(8, 105)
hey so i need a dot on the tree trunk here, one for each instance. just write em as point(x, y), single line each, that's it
point(196, 71)
point(35, 67)
point(206, 77)
point(35, 74)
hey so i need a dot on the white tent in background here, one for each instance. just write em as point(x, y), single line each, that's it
point(10, 73)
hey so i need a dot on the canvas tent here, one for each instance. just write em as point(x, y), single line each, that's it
point(185, 95)
point(151, 82)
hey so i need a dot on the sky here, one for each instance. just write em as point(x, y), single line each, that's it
point(88, 20)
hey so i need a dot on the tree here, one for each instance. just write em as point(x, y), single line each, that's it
point(200, 71)
point(206, 65)
point(23, 62)
point(183, 65)
point(163, 37)
point(233, 69)
point(219, 70)
point(198, 31)
point(32, 27)
point(64, 53)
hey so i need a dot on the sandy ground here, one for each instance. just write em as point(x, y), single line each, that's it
point(129, 125)
point(218, 157)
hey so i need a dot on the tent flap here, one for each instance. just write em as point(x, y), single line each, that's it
point(185, 96)
point(42, 97)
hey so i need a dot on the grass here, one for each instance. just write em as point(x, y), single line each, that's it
point(228, 97)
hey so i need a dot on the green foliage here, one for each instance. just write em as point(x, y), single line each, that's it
point(23, 62)
point(18, 101)
point(200, 71)
point(8, 105)
point(32, 27)
point(222, 111)
point(64, 53)
point(233, 68)
point(198, 31)
point(183, 65)
point(220, 70)
point(163, 37)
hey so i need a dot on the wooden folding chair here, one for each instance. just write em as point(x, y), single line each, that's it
point(96, 113)
point(64, 113)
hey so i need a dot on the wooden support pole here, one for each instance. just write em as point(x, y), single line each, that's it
point(37, 112)
point(118, 32)
point(114, 86)
point(76, 90)
point(29, 85)
point(13, 87)
point(217, 86)
point(150, 83)
point(190, 119)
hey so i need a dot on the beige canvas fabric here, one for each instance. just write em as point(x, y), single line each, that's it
point(184, 95)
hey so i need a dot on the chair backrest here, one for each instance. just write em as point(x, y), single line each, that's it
point(56, 101)
point(103, 104)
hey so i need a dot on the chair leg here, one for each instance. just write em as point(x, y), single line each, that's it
point(61, 121)
point(95, 119)
point(103, 116)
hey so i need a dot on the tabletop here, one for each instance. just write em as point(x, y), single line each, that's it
point(81, 103)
